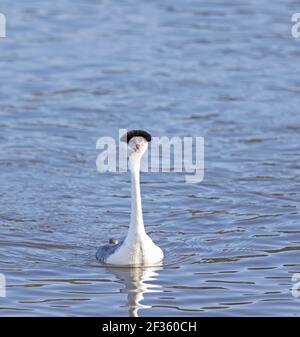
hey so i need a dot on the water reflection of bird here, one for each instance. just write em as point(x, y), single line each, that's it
point(137, 248)
point(138, 282)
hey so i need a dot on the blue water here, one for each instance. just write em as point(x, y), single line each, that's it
point(74, 71)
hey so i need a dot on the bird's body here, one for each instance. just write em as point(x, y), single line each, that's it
point(139, 251)
point(137, 248)
point(105, 251)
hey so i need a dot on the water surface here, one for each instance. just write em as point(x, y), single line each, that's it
point(72, 72)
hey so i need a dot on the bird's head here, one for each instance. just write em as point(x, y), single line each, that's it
point(137, 141)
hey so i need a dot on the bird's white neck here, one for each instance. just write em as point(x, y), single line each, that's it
point(136, 227)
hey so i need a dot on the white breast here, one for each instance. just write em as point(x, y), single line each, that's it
point(138, 250)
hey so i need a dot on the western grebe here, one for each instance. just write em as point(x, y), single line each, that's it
point(137, 248)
